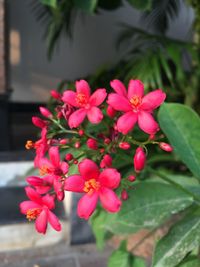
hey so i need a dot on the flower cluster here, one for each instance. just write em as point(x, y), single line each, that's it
point(80, 146)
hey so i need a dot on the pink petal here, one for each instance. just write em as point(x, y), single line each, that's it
point(74, 183)
point(33, 195)
point(119, 102)
point(153, 100)
point(42, 189)
point(135, 88)
point(48, 201)
point(110, 178)
point(126, 122)
point(64, 167)
point(98, 97)
point(53, 220)
point(82, 87)
point(109, 200)
point(27, 205)
point(54, 156)
point(147, 123)
point(44, 162)
point(69, 97)
point(94, 115)
point(87, 205)
point(88, 169)
point(119, 87)
point(76, 118)
point(41, 222)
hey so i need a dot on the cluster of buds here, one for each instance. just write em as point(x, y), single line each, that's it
point(79, 143)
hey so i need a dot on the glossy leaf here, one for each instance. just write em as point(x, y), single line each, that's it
point(190, 261)
point(182, 238)
point(86, 5)
point(143, 5)
point(149, 205)
point(51, 3)
point(182, 127)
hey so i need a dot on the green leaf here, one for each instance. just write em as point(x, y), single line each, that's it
point(88, 6)
point(143, 5)
point(120, 257)
point(191, 261)
point(182, 127)
point(149, 205)
point(182, 238)
point(138, 262)
point(51, 3)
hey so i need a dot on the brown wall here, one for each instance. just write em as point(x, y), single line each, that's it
point(2, 49)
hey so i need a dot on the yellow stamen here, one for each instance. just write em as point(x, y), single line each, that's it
point(81, 99)
point(135, 101)
point(91, 186)
point(43, 170)
point(29, 144)
point(32, 214)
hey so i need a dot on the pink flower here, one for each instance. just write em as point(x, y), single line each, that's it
point(106, 161)
point(41, 146)
point(55, 168)
point(139, 159)
point(42, 185)
point(137, 108)
point(96, 186)
point(38, 208)
point(87, 104)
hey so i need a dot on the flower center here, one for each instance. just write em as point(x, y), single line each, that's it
point(32, 214)
point(135, 101)
point(91, 186)
point(44, 170)
point(29, 144)
point(81, 99)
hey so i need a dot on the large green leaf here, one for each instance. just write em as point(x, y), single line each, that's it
point(86, 5)
point(191, 261)
point(120, 258)
point(183, 238)
point(182, 127)
point(143, 5)
point(149, 205)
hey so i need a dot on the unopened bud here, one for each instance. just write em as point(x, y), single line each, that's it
point(38, 122)
point(124, 195)
point(124, 145)
point(55, 94)
point(166, 147)
point(151, 136)
point(106, 162)
point(77, 144)
point(75, 161)
point(69, 157)
point(92, 144)
point(131, 178)
point(63, 141)
point(81, 132)
point(110, 111)
point(139, 159)
point(102, 150)
point(107, 141)
point(45, 112)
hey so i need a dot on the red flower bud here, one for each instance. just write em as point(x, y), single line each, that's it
point(106, 162)
point(69, 157)
point(75, 161)
point(77, 144)
point(45, 112)
point(124, 195)
point(166, 147)
point(38, 122)
point(63, 141)
point(124, 145)
point(81, 132)
point(55, 94)
point(139, 159)
point(102, 150)
point(107, 141)
point(151, 136)
point(131, 178)
point(110, 111)
point(92, 144)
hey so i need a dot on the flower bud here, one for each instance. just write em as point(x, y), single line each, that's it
point(63, 142)
point(124, 195)
point(131, 178)
point(69, 157)
point(38, 122)
point(139, 159)
point(151, 136)
point(92, 144)
point(102, 150)
point(166, 147)
point(77, 144)
point(45, 112)
point(55, 94)
point(110, 111)
point(75, 161)
point(81, 132)
point(124, 145)
point(107, 141)
point(106, 162)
